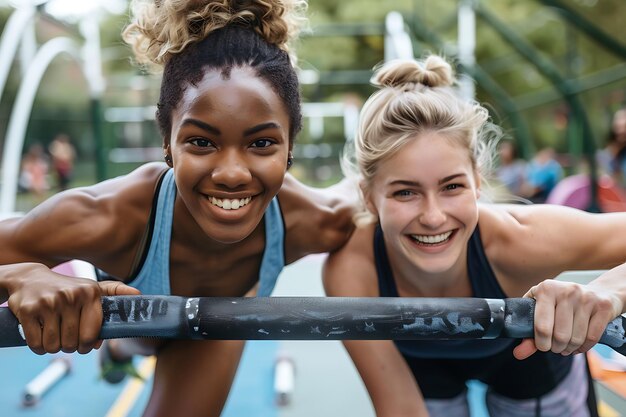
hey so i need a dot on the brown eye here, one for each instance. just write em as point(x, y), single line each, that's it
point(262, 143)
point(201, 142)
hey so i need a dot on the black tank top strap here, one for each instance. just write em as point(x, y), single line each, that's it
point(386, 284)
point(482, 278)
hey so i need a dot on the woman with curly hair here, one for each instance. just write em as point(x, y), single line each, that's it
point(219, 217)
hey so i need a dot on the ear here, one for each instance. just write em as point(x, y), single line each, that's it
point(478, 182)
point(167, 155)
point(367, 198)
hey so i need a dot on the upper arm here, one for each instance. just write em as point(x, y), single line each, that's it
point(53, 232)
point(539, 242)
point(97, 223)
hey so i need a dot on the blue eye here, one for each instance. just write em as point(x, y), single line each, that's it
point(452, 187)
point(262, 143)
point(403, 193)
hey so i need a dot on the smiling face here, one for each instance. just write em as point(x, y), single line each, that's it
point(425, 197)
point(229, 147)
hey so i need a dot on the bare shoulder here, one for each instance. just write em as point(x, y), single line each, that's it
point(81, 222)
point(511, 223)
point(497, 224)
point(526, 244)
point(351, 270)
point(316, 220)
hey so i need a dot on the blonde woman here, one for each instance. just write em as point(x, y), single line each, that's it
point(420, 154)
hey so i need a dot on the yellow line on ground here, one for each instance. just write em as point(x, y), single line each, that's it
point(127, 398)
point(606, 410)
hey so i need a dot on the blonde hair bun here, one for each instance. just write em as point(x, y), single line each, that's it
point(161, 28)
point(434, 71)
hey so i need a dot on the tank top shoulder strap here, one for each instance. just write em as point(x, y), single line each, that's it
point(154, 277)
point(386, 283)
point(144, 246)
point(274, 255)
point(482, 278)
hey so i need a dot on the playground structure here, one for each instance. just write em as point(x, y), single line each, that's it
point(404, 37)
point(581, 138)
point(20, 32)
point(412, 36)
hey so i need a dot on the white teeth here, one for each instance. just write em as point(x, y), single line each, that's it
point(432, 239)
point(228, 204)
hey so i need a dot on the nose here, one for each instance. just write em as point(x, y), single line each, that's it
point(432, 214)
point(231, 170)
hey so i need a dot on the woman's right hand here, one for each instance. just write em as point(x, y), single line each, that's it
point(57, 312)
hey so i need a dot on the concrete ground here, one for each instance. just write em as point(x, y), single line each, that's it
point(326, 382)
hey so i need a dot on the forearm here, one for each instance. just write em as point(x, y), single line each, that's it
point(193, 378)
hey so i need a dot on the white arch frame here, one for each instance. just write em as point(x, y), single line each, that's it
point(20, 115)
point(89, 59)
point(11, 38)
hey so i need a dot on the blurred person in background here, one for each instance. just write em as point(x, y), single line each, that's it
point(612, 158)
point(542, 175)
point(63, 155)
point(34, 173)
point(511, 170)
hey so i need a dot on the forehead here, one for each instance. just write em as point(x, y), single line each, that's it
point(427, 156)
point(241, 92)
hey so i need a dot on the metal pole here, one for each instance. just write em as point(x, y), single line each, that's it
point(93, 72)
point(466, 44)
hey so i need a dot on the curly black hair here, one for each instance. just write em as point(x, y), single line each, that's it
point(230, 47)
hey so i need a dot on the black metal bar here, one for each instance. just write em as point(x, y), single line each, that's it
point(314, 318)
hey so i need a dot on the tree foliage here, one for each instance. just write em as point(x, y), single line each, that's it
point(346, 42)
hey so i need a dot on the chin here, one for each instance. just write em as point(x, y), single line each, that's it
point(228, 234)
point(436, 269)
point(436, 266)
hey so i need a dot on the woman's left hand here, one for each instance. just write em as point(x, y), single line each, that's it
point(569, 317)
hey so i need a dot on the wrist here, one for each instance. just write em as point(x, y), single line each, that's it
point(12, 275)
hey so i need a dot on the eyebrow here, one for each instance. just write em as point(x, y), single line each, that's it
point(214, 130)
point(417, 183)
point(202, 125)
point(261, 127)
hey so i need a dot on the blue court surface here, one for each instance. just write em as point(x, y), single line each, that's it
point(326, 382)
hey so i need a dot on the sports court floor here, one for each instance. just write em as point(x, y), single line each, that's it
point(326, 382)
